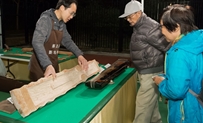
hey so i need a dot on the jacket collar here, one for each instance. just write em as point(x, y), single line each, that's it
point(140, 20)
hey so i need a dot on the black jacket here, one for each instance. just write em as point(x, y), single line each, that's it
point(147, 46)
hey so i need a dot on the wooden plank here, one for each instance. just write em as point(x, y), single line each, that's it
point(17, 54)
point(26, 55)
point(29, 98)
point(66, 53)
point(27, 49)
point(60, 52)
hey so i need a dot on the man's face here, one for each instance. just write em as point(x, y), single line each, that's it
point(68, 13)
point(133, 18)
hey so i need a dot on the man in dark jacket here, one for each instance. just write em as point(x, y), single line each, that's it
point(49, 34)
point(147, 49)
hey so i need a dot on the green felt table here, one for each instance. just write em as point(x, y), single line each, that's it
point(15, 50)
point(15, 59)
point(80, 104)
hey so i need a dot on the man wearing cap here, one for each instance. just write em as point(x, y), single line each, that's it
point(147, 49)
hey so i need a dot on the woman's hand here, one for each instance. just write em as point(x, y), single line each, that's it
point(158, 79)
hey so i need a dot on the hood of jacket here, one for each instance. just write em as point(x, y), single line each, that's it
point(51, 14)
point(144, 18)
point(192, 44)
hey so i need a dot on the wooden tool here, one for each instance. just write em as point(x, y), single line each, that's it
point(7, 47)
point(7, 107)
point(108, 75)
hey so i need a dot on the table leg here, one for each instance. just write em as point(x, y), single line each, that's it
point(8, 67)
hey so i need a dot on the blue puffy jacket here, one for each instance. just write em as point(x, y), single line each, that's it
point(184, 71)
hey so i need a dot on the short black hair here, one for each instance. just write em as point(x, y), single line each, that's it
point(65, 3)
point(178, 14)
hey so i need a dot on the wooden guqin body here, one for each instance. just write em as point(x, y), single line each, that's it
point(109, 74)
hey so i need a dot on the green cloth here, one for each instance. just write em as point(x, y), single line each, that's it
point(81, 104)
point(4, 95)
point(15, 50)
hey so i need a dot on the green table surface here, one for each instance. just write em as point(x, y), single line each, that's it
point(4, 95)
point(80, 104)
point(16, 50)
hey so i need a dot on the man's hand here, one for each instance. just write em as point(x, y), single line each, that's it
point(50, 71)
point(82, 62)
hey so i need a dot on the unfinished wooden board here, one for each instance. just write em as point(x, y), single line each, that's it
point(29, 98)
point(60, 52)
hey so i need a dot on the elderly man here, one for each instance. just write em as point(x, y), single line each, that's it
point(147, 49)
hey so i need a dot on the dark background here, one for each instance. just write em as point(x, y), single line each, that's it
point(96, 26)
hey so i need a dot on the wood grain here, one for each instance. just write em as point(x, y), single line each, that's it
point(29, 98)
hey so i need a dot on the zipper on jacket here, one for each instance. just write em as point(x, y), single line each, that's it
point(165, 63)
point(182, 111)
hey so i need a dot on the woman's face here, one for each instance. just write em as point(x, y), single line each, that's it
point(170, 36)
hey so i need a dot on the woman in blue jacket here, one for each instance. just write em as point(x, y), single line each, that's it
point(183, 66)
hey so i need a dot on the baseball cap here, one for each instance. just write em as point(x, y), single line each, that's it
point(131, 7)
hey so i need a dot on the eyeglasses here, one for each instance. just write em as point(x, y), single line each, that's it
point(130, 16)
point(161, 25)
point(73, 14)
